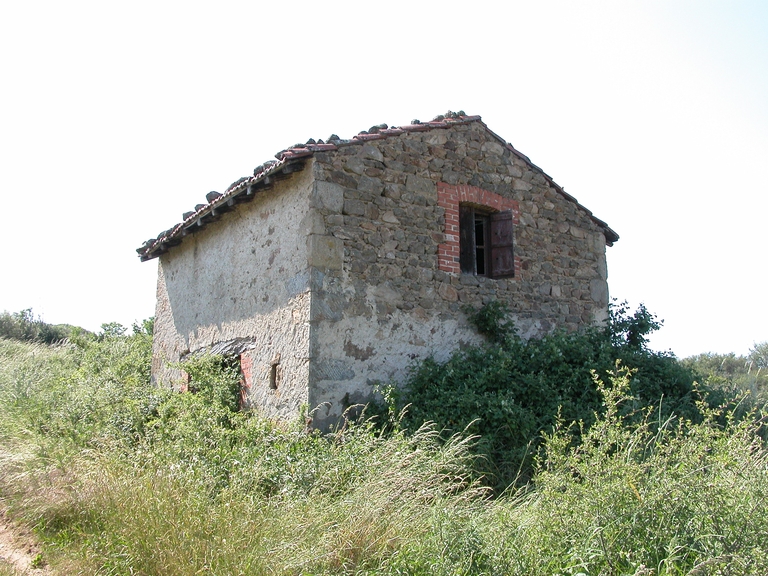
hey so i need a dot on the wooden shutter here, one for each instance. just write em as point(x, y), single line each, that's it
point(502, 258)
point(467, 239)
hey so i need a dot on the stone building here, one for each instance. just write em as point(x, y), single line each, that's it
point(338, 265)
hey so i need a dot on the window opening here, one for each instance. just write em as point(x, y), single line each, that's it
point(485, 243)
point(481, 240)
point(273, 375)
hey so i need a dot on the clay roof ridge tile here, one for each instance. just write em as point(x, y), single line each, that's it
point(321, 147)
point(367, 137)
point(382, 131)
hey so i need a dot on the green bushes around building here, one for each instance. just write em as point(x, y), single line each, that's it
point(121, 477)
point(510, 392)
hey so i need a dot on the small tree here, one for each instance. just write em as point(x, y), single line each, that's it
point(759, 355)
point(632, 331)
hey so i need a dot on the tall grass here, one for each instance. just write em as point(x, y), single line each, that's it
point(119, 477)
point(157, 522)
point(667, 498)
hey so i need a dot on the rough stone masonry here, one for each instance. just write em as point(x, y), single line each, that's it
point(337, 267)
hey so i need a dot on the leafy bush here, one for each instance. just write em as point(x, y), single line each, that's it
point(219, 488)
point(510, 391)
point(91, 391)
point(215, 378)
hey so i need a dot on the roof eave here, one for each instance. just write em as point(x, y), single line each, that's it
point(244, 190)
point(610, 235)
point(292, 159)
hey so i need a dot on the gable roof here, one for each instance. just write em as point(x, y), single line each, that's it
point(292, 160)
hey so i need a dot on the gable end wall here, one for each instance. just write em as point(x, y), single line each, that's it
point(391, 302)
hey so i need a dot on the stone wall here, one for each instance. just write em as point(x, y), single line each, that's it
point(342, 276)
point(241, 286)
point(389, 302)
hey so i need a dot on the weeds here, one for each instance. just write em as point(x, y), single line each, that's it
point(25, 326)
point(667, 498)
point(120, 477)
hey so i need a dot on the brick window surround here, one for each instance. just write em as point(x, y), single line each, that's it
point(449, 197)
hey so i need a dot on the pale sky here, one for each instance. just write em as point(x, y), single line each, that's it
point(117, 118)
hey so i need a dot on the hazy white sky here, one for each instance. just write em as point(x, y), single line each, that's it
point(117, 118)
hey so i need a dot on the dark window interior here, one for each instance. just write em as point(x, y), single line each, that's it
point(485, 242)
point(273, 376)
point(481, 241)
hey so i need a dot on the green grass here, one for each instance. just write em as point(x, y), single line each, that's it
point(118, 477)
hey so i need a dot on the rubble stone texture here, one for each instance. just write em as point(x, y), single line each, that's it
point(331, 282)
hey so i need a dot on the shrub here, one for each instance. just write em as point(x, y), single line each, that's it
point(87, 393)
point(509, 391)
point(731, 373)
point(640, 497)
point(221, 490)
point(26, 326)
point(215, 378)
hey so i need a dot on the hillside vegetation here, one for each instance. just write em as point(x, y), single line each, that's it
point(736, 374)
point(24, 325)
point(120, 477)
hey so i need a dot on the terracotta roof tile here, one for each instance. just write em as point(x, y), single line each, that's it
point(286, 159)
